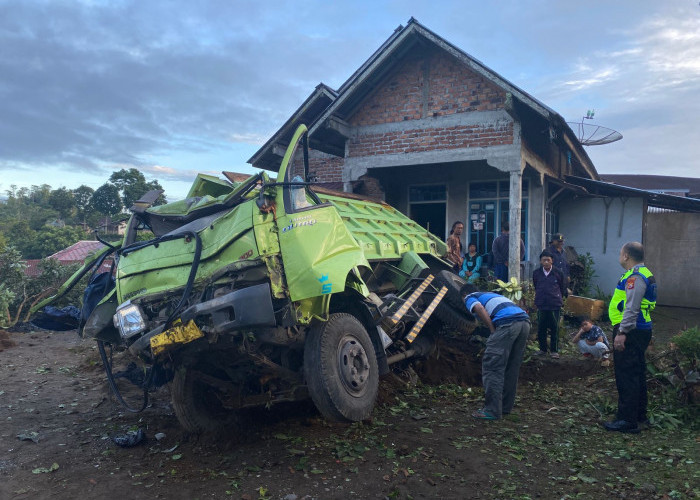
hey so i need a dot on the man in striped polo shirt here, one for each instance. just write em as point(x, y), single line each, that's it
point(509, 326)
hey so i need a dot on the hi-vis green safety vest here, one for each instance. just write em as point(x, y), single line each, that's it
point(617, 303)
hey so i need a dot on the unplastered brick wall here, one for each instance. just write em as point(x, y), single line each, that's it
point(430, 84)
point(430, 139)
point(326, 167)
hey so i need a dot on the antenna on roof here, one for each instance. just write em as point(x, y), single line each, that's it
point(593, 135)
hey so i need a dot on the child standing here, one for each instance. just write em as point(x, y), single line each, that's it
point(591, 340)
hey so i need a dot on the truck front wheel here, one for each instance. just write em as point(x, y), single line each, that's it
point(197, 403)
point(340, 368)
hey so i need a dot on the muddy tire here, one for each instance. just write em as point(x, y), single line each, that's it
point(459, 321)
point(197, 404)
point(452, 311)
point(454, 284)
point(340, 368)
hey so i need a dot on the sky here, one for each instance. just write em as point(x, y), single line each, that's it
point(173, 88)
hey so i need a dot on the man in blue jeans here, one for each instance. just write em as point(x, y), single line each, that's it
point(509, 326)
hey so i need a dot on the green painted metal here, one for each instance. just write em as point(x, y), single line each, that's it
point(318, 252)
point(166, 266)
point(382, 231)
point(311, 251)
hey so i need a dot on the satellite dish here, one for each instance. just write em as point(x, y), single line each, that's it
point(593, 135)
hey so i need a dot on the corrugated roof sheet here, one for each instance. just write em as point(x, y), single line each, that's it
point(32, 268)
point(77, 252)
point(688, 185)
point(671, 202)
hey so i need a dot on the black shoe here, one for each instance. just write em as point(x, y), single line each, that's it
point(643, 424)
point(622, 426)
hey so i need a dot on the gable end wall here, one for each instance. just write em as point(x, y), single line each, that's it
point(432, 89)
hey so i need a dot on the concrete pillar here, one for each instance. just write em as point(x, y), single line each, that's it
point(516, 190)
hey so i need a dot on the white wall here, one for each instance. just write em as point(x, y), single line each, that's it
point(582, 222)
point(672, 252)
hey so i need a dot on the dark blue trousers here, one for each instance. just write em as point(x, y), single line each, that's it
point(548, 321)
point(631, 376)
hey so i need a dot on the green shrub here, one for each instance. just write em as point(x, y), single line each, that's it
point(688, 342)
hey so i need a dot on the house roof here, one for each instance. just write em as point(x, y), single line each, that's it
point(32, 267)
point(77, 252)
point(327, 137)
point(660, 200)
point(236, 176)
point(269, 155)
point(664, 183)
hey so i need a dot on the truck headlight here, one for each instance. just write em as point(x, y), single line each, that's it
point(129, 320)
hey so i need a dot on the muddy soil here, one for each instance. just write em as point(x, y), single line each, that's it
point(57, 421)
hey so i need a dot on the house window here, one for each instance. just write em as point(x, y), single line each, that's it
point(419, 194)
point(428, 207)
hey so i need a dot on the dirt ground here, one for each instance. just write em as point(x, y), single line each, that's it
point(57, 420)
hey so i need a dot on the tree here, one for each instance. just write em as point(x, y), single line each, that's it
point(12, 279)
point(19, 292)
point(40, 195)
point(132, 184)
point(20, 235)
point(106, 199)
point(82, 196)
point(63, 201)
point(52, 239)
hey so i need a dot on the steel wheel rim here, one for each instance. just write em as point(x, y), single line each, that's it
point(353, 366)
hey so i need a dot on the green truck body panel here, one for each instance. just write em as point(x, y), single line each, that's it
point(309, 253)
point(383, 232)
point(318, 252)
point(155, 269)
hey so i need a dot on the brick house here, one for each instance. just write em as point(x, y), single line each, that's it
point(442, 137)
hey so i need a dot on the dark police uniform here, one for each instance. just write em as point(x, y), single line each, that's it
point(630, 307)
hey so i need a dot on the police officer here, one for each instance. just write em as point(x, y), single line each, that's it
point(556, 248)
point(630, 307)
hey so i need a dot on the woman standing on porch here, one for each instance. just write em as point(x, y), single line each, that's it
point(454, 246)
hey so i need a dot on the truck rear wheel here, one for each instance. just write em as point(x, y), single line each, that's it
point(452, 311)
point(197, 404)
point(454, 284)
point(340, 368)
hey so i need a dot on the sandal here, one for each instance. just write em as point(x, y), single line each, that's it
point(483, 415)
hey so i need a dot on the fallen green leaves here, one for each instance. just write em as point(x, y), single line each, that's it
point(43, 470)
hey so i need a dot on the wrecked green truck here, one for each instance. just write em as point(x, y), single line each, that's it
point(252, 293)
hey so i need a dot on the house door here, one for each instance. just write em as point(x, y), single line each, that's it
point(428, 207)
point(482, 225)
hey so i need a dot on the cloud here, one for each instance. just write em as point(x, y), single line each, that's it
point(88, 85)
point(161, 172)
point(250, 138)
point(94, 83)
